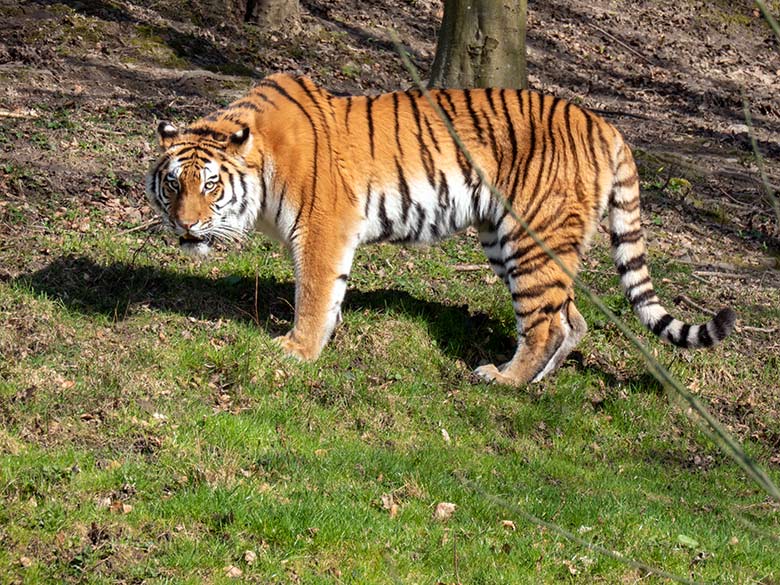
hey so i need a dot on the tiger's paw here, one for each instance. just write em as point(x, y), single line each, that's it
point(294, 348)
point(490, 373)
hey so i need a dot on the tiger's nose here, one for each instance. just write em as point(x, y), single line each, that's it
point(187, 225)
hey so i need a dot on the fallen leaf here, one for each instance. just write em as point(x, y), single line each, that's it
point(509, 525)
point(25, 562)
point(232, 572)
point(250, 556)
point(446, 436)
point(444, 510)
point(118, 507)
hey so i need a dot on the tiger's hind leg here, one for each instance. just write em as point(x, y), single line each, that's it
point(548, 323)
point(488, 237)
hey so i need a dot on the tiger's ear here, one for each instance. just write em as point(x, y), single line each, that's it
point(166, 132)
point(240, 141)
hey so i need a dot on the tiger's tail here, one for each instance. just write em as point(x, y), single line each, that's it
point(629, 253)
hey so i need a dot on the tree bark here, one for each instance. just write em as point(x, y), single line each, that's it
point(481, 44)
point(272, 13)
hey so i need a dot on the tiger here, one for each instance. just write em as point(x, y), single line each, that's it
point(324, 174)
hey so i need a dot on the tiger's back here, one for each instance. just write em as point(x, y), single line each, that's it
point(325, 174)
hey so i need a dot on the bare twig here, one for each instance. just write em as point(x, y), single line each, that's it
point(469, 267)
point(720, 274)
point(627, 47)
point(758, 329)
point(26, 114)
point(685, 300)
point(142, 226)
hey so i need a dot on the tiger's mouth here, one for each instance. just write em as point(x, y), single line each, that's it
point(195, 246)
point(190, 239)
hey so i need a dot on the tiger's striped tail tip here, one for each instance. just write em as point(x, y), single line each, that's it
point(723, 324)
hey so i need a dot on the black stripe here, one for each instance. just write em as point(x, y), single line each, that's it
point(307, 90)
point(370, 119)
point(443, 191)
point(294, 229)
point(425, 154)
point(346, 113)
point(642, 298)
point(489, 96)
point(682, 341)
point(628, 206)
point(662, 324)
point(473, 113)
point(200, 131)
point(531, 149)
point(368, 200)
point(421, 216)
point(276, 87)
point(403, 188)
point(281, 200)
point(538, 290)
point(430, 132)
point(342, 277)
point(634, 264)
point(263, 186)
point(704, 337)
point(387, 223)
point(511, 130)
point(630, 237)
point(246, 104)
point(265, 99)
point(397, 124)
point(642, 282)
point(627, 182)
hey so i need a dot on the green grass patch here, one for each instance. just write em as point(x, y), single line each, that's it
point(151, 431)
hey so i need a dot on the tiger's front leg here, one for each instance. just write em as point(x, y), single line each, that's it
point(322, 266)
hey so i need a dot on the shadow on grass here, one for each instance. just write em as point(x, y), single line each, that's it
point(119, 290)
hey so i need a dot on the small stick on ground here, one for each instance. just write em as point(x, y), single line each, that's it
point(690, 303)
point(26, 114)
point(143, 226)
point(621, 43)
point(469, 267)
point(721, 274)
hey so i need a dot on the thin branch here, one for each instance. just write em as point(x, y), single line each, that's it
point(627, 47)
point(685, 300)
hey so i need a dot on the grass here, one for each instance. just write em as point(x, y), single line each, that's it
point(152, 432)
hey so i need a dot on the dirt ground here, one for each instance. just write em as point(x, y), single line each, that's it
point(83, 84)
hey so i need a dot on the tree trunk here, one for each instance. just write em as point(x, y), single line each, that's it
point(272, 14)
point(481, 44)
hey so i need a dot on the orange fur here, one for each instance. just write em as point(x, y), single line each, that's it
point(324, 174)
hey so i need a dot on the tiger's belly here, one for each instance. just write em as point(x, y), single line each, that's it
point(424, 212)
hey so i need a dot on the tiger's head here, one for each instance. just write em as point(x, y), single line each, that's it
point(202, 184)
